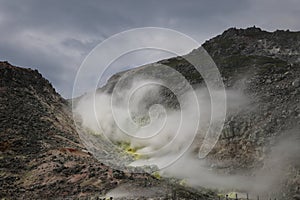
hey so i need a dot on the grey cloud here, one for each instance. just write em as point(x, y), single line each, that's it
point(55, 36)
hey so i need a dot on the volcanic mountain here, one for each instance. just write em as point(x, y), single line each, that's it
point(42, 155)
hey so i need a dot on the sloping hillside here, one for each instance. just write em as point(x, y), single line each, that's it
point(41, 154)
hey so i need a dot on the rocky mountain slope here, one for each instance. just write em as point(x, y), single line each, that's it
point(41, 155)
point(265, 66)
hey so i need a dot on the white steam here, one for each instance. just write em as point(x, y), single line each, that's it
point(160, 134)
point(165, 137)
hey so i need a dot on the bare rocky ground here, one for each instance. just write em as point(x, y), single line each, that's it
point(42, 156)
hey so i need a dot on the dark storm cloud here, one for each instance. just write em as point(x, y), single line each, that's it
point(55, 36)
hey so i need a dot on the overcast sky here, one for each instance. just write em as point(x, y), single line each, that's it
point(55, 36)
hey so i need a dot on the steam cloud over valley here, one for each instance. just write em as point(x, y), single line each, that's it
point(169, 136)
